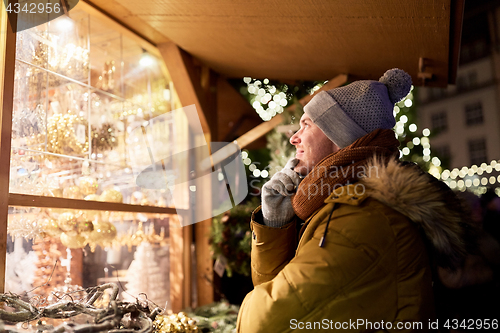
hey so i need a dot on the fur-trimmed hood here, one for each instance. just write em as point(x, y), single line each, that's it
point(426, 201)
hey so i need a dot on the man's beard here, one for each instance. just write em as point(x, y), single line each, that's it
point(301, 168)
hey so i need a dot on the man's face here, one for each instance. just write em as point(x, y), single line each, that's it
point(312, 145)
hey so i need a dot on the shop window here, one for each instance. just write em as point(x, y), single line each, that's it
point(474, 114)
point(477, 151)
point(82, 94)
point(472, 76)
point(444, 154)
point(439, 121)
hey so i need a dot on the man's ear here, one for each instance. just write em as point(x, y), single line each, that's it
point(335, 148)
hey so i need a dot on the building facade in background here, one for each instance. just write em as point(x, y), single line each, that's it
point(464, 118)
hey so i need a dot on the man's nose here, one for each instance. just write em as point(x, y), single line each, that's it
point(294, 140)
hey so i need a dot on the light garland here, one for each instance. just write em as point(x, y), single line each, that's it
point(476, 178)
point(252, 167)
point(266, 99)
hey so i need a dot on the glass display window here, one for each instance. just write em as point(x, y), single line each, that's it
point(89, 105)
point(81, 89)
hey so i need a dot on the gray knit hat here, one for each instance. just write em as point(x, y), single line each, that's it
point(347, 113)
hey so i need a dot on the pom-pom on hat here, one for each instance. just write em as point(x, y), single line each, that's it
point(347, 113)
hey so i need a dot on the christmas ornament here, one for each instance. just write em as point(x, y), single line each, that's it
point(88, 186)
point(20, 269)
point(22, 225)
point(67, 134)
point(50, 227)
point(102, 234)
point(104, 138)
point(29, 123)
point(73, 241)
point(174, 323)
point(92, 215)
point(111, 195)
point(72, 192)
point(68, 222)
point(136, 198)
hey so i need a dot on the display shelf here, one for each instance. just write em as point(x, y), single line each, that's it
point(57, 77)
point(81, 99)
point(81, 92)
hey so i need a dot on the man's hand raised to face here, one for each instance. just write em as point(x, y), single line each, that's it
point(276, 202)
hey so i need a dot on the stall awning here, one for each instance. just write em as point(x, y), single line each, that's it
point(304, 39)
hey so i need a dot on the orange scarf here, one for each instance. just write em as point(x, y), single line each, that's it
point(340, 168)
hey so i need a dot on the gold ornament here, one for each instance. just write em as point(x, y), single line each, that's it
point(88, 186)
point(84, 227)
point(174, 323)
point(93, 197)
point(107, 229)
point(92, 215)
point(103, 234)
point(66, 134)
point(50, 227)
point(111, 195)
point(73, 241)
point(68, 222)
point(72, 192)
point(56, 192)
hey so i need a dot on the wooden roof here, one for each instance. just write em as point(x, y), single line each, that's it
point(303, 39)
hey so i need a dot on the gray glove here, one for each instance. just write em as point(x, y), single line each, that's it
point(276, 202)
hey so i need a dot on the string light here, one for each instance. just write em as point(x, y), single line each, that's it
point(471, 179)
point(252, 167)
point(266, 99)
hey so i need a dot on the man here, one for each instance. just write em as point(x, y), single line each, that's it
point(360, 260)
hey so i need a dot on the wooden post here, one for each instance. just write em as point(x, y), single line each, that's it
point(187, 83)
point(195, 88)
point(7, 69)
point(177, 275)
point(204, 263)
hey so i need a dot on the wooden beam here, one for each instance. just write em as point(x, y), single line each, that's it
point(235, 115)
point(204, 262)
point(177, 275)
point(336, 82)
point(255, 133)
point(180, 263)
point(7, 70)
point(25, 200)
point(187, 84)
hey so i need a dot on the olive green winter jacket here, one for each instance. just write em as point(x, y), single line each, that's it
point(373, 271)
